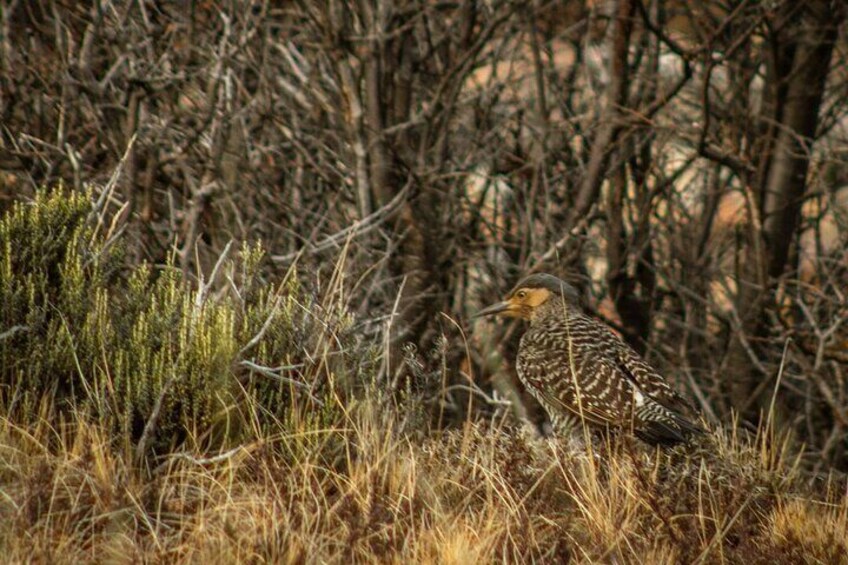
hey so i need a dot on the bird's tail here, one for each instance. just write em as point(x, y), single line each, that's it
point(658, 425)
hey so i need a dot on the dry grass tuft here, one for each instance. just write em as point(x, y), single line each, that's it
point(814, 530)
point(481, 493)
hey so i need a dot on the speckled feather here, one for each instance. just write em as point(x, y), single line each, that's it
point(576, 366)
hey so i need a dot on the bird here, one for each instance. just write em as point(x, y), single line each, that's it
point(578, 369)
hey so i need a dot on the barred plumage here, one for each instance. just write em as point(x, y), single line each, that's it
point(577, 368)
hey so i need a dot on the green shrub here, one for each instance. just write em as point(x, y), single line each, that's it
point(141, 349)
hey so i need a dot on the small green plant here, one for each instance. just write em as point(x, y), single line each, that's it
point(158, 360)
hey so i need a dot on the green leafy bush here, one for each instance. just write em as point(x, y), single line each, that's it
point(156, 359)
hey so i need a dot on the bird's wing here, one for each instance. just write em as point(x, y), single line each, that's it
point(648, 380)
point(600, 392)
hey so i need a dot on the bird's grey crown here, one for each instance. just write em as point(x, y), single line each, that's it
point(549, 282)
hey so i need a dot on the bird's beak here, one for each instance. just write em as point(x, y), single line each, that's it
point(492, 310)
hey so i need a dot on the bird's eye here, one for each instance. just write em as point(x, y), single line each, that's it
point(521, 294)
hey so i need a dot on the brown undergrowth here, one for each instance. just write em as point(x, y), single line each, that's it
point(363, 492)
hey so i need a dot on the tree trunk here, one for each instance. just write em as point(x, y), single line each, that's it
point(611, 119)
point(814, 36)
point(796, 86)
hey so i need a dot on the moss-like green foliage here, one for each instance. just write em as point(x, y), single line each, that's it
point(44, 298)
point(148, 354)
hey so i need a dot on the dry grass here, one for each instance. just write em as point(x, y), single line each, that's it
point(364, 492)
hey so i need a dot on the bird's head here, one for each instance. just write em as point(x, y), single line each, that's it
point(530, 294)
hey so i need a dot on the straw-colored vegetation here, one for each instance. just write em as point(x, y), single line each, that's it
point(146, 417)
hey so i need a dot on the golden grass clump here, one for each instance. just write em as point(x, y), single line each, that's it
point(816, 530)
point(481, 492)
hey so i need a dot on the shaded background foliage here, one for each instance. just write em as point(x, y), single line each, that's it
point(683, 164)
